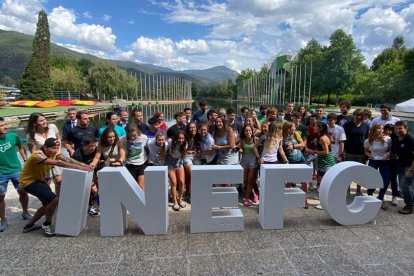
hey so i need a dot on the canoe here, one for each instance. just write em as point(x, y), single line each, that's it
point(44, 104)
point(24, 103)
point(65, 102)
point(86, 103)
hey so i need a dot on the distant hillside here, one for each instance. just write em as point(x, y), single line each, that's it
point(16, 49)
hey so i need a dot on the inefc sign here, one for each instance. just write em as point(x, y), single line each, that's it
point(119, 192)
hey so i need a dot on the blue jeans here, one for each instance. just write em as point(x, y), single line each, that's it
point(384, 167)
point(406, 185)
point(4, 181)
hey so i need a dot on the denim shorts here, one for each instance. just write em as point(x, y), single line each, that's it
point(248, 162)
point(4, 181)
point(188, 161)
point(174, 163)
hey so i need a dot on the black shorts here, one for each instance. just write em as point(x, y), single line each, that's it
point(42, 191)
point(136, 170)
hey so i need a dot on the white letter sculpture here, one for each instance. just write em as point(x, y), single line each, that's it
point(119, 191)
point(73, 202)
point(204, 197)
point(334, 188)
point(274, 197)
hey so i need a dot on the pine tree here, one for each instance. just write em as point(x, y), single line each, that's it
point(35, 83)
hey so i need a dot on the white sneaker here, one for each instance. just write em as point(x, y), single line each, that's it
point(47, 230)
point(394, 201)
point(319, 207)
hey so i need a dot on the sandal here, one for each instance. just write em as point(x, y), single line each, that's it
point(182, 204)
point(176, 207)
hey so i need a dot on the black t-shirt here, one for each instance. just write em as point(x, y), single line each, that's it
point(341, 120)
point(405, 151)
point(355, 137)
point(76, 134)
point(173, 130)
point(288, 117)
point(80, 156)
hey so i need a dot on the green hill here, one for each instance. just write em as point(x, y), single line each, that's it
point(16, 49)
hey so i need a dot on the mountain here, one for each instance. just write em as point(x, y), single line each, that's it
point(16, 49)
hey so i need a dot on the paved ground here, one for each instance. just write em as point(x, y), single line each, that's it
point(310, 244)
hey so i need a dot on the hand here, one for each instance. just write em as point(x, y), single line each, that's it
point(409, 173)
point(215, 147)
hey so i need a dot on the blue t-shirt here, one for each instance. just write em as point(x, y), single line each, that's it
point(120, 131)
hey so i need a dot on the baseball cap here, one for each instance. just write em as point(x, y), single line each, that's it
point(51, 142)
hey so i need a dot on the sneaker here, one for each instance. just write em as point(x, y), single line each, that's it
point(319, 207)
point(359, 194)
point(384, 206)
point(247, 202)
point(93, 212)
point(394, 201)
point(30, 228)
point(26, 216)
point(47, 230)
point(406, 210)
point(3, 225)
point(255, 199)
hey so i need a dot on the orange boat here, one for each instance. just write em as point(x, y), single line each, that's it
point(51, 103)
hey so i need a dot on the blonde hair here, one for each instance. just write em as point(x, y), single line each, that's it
point(273, 136)
point(373, 134)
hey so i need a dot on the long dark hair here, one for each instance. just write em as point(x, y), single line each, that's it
point(31, 124)
point(103, 142)
point(175, 143)
point(225, 127)
point(191, 140)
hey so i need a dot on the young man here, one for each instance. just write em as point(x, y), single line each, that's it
point(138, 119)
point(70, 123)
point(356, 132)
point(201, 115)
point(74, 138)
point(85, 155)
point(337, 137)
point(187, 112)
point(405, 165)
point(123, 119)
point(321, 115)
point(344, 117)
point(10, 168)
point(154, 126)
point(289, 112)
point(32, 180)
point(212, 116)
point(180, 119)
point(262, 114)
point(386, 117)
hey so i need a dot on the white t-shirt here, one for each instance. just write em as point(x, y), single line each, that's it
point(377, 148)
point(205, 145)
point(271, 154)
point(136, 150)
point(392, 120)
point(336, 134)
point(154, 153)
point(39, 140)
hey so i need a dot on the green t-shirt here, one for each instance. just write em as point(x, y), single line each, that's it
point(9, 162)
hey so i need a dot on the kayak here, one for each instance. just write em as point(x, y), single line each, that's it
point(51, 103)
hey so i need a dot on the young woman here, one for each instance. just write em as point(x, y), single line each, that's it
point(110, 151)
point(292, 144)
point(112, 121)
point(273, 144)
point(377, 148)
point(389, 131)
point(205, 141)
point(325, 158)
point(191, 156)
point(304, 114)
point(38, 130)
point(160, 116)
point(175, 162)
point(157, 149)
point(249, 163)
point(254, 124)
point(136, 160)
point(224, 144)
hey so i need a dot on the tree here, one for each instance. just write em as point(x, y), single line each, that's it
point(67, 79)
point(35, 83)
point(7, 81)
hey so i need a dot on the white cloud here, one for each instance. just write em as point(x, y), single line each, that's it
point(19, 15)
point(106, 17)
point(234, 65)
point(87, 14)
point(63, 24)
point(192, 47)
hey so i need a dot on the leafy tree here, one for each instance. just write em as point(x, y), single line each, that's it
point(35, 83)
point(84, 65)
point(105, 78)
point(7, 81)
point(67, 79)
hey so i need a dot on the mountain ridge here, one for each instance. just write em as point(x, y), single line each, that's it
point(16, 49)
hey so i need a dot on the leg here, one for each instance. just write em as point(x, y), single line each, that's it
point(141, 182)
point(373, 164)
point(173, 183)
point(406, 184)
point(2, 207)
point(50, 209)
point(24, 199)
point(57, 179)
point(252, 180)
point(385, 171)
point(180, 174)
point(304, 187)
point(187, 170)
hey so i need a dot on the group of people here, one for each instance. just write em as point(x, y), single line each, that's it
point(207, 137)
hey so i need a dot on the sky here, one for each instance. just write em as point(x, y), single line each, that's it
point(184, 35)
